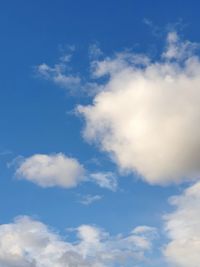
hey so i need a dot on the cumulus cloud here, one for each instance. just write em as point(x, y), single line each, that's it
point(52, 170)
point(30, 243)
point(147, 113)
point(183, 228)
point(62, 171)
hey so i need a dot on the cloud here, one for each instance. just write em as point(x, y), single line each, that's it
point(146, 115)
point(183, 228)
point(95, 51)
point(178, 50)
point(105, 180)
point(60, 170)
point(60, 73)
point(30, 243)
point(52, 170)
point(89, 199)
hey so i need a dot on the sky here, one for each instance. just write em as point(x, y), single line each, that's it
point(100, 133)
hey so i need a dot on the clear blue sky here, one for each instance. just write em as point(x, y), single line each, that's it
point(36, 113)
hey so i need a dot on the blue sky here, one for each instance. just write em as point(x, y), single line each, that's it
point(80, 148)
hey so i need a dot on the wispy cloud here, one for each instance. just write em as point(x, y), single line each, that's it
point(59, 74)
point(105, 180)
point(89, 199)
point(62, 75)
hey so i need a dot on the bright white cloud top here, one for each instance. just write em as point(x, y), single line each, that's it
point(147, 114)
point(27, 243)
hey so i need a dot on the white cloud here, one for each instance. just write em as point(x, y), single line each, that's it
point(89, 199)
point(147, 114)
point(178, 50)
point(52, 170)
point(183, 228)
point(60, 73)
point(30, 243)
point(62, 171)
point(105, 180)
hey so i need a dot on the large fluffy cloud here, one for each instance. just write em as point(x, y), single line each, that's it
point(183, 228)
point(30, 243)
point(147, 114)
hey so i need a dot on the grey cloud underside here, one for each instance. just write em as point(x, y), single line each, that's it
point(30, 243)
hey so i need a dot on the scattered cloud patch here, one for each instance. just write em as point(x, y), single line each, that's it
point(95, 51)
point(89, 199)
point(59, 74)
point(146, 114)
point(106, 180)
point(60, 170)
point(27, 243)
point(62, 75)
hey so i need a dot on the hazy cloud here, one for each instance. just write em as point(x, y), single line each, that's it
point(105, 180)
point(89, 199)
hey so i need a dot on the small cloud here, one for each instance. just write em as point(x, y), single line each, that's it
point(89, 199)
point(59, 74)
point(51, 170)
point(106, 180)
point(95, 51)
